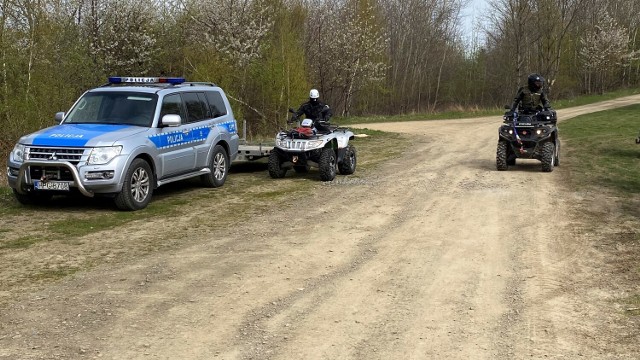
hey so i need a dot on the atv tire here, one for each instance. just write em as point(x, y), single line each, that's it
point(327, 164)
point(556, 160)
point(548, 156)
point(348, 164)
point(501, 156)
point(275, 166)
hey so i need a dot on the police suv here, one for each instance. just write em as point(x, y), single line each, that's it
point(127, 138)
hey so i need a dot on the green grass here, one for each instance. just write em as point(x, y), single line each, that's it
point(22, 243)
point(53, 274)
point(590, 99)
point(82, 216)
point(601, 149)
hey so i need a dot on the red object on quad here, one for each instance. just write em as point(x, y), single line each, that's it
point(305, 131)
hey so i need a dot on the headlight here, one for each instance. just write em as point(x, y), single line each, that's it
point(18, 154)
point(102, 155)
point(312, 144)
point(541, 131)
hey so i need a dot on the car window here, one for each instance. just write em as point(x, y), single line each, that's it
point(128, 108)
point(216, 104)
point(172, 105)
point(207, 109)
point(196, 109)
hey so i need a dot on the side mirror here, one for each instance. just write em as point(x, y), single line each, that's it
point(171, 120)
point(59, 116)
point(507, 106)
point(291, 110)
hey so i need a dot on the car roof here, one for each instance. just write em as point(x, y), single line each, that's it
point(158, 88)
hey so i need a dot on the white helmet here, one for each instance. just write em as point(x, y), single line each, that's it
point(314, 94)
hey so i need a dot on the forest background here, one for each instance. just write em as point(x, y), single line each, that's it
point(366, 57)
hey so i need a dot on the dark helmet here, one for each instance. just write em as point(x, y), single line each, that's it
point(535, 82)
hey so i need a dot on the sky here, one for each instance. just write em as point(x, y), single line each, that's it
point(471, 15)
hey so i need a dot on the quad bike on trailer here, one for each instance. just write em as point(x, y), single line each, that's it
point(528, 136)
point(305, 147)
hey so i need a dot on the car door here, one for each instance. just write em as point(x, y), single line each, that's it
point(175, 149)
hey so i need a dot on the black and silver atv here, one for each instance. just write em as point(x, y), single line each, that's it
point(304, 147)
point(528, 136)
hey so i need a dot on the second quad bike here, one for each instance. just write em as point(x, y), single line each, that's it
point(305, 147)
point(528, 136)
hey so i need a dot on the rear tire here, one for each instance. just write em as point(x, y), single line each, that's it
point(327, 164)
point(137, 188)
point(275, 169)
point(548, 156)
point(348, 164)
point(219, 168)
point(501, 156)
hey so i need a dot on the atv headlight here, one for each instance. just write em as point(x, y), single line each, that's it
point(18, 153)
point(283, 143)
point(314, 144)
point(102, 155)
point(541, 131)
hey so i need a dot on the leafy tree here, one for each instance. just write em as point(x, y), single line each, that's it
point(604, 51)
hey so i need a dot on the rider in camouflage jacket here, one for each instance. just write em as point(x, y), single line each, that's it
point(532, 97)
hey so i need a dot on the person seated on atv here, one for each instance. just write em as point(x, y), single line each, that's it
point(531, 98)
point(315, 110)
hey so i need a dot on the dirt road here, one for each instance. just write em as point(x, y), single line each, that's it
point(434, 256)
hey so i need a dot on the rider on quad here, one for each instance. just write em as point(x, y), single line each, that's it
point(315, 110)
point(532, 97)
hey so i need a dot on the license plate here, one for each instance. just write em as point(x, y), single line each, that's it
point(51, 185)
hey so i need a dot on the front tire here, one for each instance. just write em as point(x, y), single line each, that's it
point(348, 164)
point(275, 166)
point(32, 198)
point(219, 168)
point(137, 188)
point(501, 156)
point(548, 156)
point(327, 164)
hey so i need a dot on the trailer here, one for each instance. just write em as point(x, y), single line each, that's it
point(252, 152)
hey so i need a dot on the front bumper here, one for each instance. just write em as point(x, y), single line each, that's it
point(86, 178)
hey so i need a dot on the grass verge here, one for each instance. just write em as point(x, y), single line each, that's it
point(603, 158)
point(70, 218)
point(602, 149)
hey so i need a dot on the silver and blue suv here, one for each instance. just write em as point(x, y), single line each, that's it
point(127, 138)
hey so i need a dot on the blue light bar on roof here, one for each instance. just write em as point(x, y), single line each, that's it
point(145, 80)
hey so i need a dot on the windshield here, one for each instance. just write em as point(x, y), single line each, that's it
point(124, 108)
